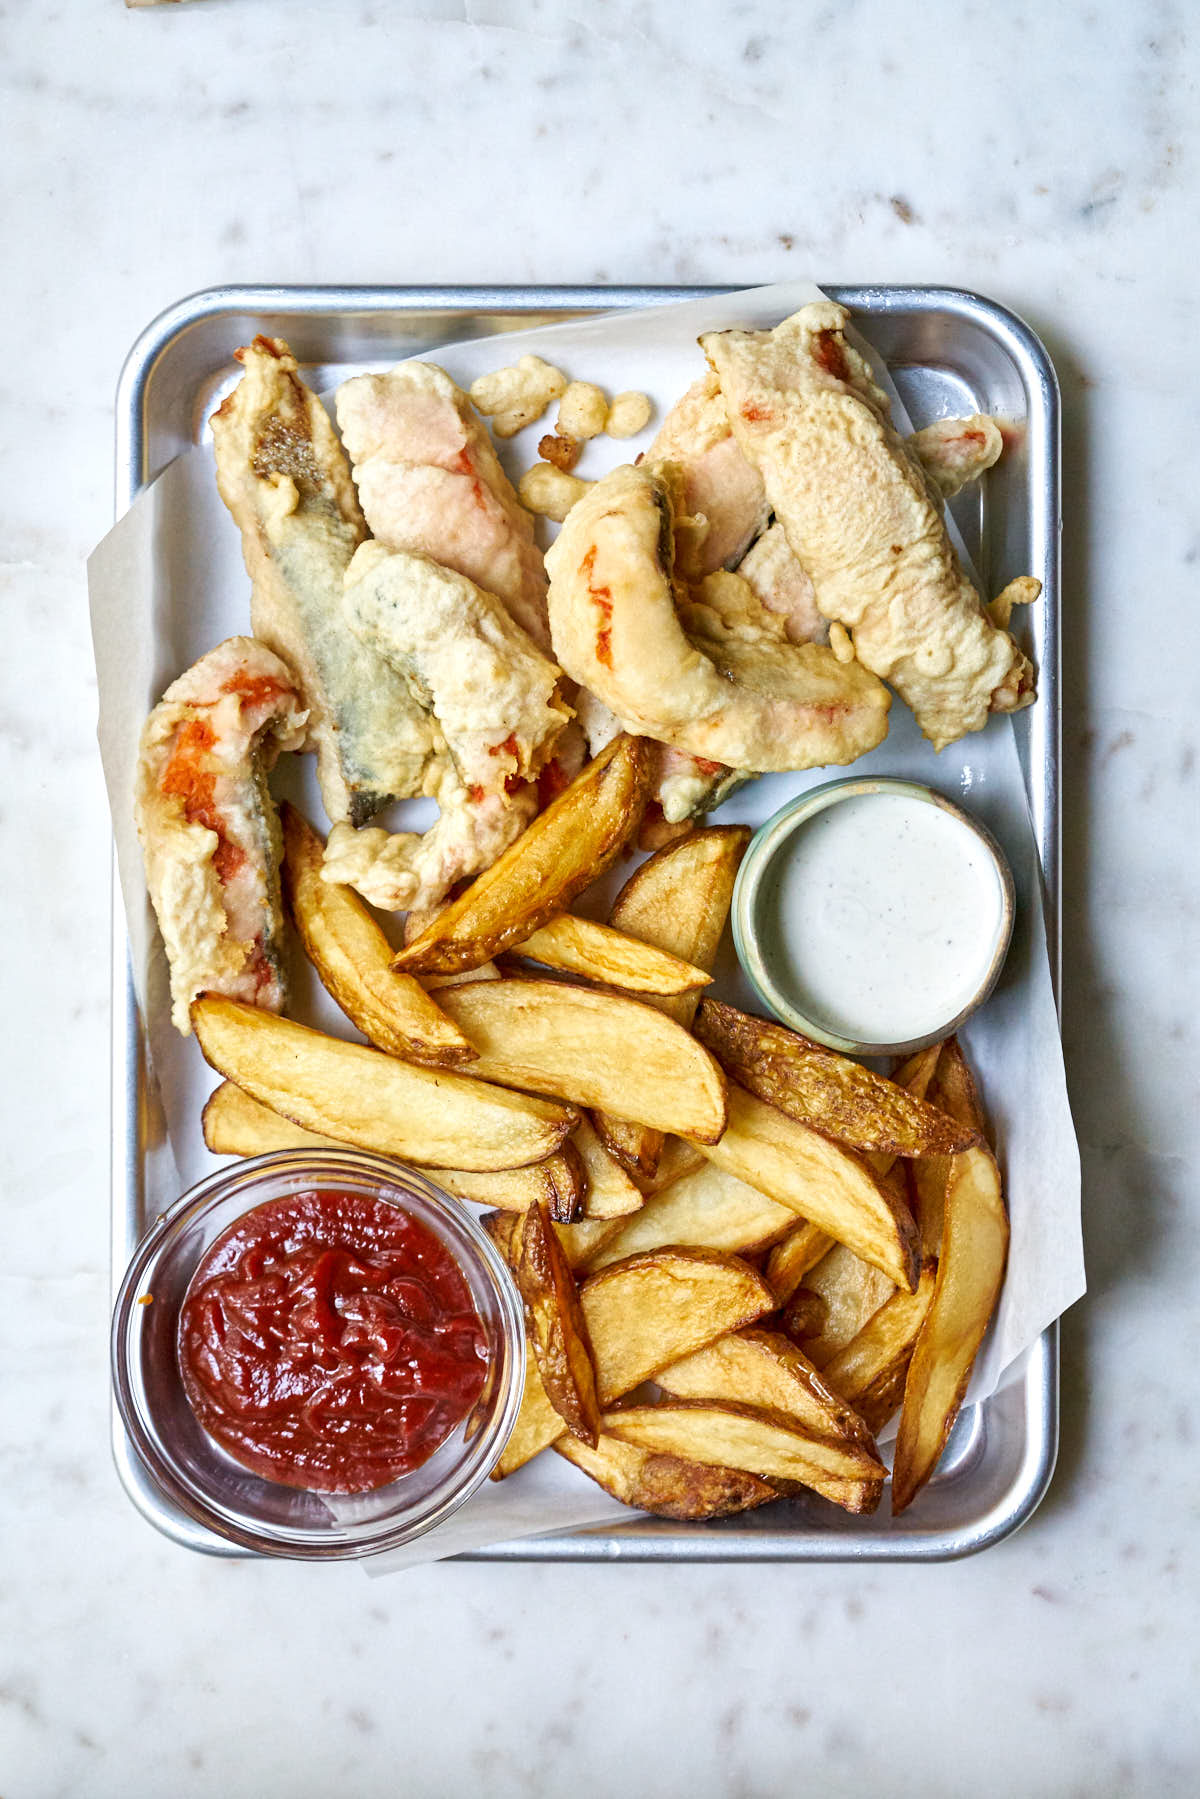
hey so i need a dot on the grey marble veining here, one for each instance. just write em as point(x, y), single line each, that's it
point(1045, 155)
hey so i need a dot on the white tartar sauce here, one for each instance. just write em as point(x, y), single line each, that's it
point(881, 915)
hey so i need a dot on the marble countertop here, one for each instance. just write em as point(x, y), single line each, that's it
point(1045, 156)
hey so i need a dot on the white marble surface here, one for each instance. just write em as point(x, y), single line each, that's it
point(1045, 155)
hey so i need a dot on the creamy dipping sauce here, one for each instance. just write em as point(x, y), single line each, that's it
point(880, 917)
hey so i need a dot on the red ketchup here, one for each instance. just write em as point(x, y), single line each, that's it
point(329, 1341)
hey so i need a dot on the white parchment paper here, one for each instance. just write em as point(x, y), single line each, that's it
point(168, 582)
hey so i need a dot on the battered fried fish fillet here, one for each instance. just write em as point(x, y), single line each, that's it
point(955, 452)
point(681, 786)
point(861, 519)
point(719, 484)
point(208, 828)
point(494, 695)
point(285, 479)
point(495, 701)
point(712, 673)
point(783, 586)
point(429, 481)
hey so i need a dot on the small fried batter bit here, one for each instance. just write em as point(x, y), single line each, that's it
point(628, 414)
point(550, 491)
point(562, 452)
point(514, 397)
point(583, 410)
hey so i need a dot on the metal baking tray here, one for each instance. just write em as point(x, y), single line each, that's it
point(949, 352)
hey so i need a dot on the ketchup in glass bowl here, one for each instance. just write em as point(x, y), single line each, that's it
point(317, 1354)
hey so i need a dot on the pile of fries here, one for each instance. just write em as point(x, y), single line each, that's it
point(740, 1254)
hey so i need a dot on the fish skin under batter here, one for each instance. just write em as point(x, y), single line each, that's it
point(285, 478)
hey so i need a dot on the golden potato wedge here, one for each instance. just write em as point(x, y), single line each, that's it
point(557, 1330)
point(597, 952)
point(676, 1158)
point(538, 1425)
point(642, 1314)
point(364, 1097)
point(654, 833)
point(559, 1183)
point(732, 1435)
point(579, 1240)
point(803, 1317)
point(828, 1092)
point(927, 1178)
point(679, 899)
point(793, 1256)
point(869, 1372)
point(974, 1250)
point(665, 1485)
point(601, 1048)
point(762, 1368)
point(610, 1192)
point(830, 1186)
point(635, 1146)
point(419, 920)
point(237, 1125)
point(353, 959)
point(861, 1497)
point(708, 1209)
point(850, 1291)
point(435, 983)
point(563, 851)
point(640, 1310)
point(916, 1073)
point(806, 1313)
point(583, 1238)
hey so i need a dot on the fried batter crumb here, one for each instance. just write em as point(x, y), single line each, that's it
point(563, 452)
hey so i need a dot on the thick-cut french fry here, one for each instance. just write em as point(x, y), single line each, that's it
point(665, 1485)
point(732, 1435)
point(583, 1237)
point(676, 1158)
point(234, 1124)
point(563, 851)
point(850, 1290)
point(237, 1125)
point(916, 1073)
point(807, 1314)
point(557, 1329)
point(708, 1209)
point(826, 1091)
point(579, 1240)
point(635, 1146)
point(762, 1368)
point(597, 952)
point(679, 900)
point(829, 1186)
point(610, 1192)
point(558, 1183)
point(375, 1101)
point(927, 1178)
point(418, 921)
point(642, 1314)
point(927, 1183)
point(974, 1249)
point(869, 1372)
point(353, 958)
point(793, 1256)
point(601, 1048)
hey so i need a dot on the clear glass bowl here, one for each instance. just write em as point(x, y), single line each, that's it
point(197, 1474)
